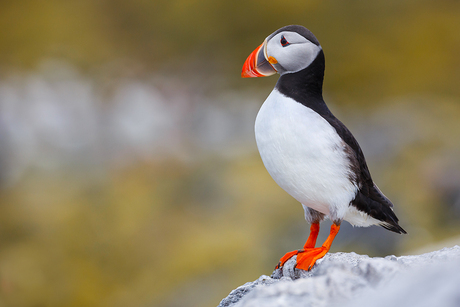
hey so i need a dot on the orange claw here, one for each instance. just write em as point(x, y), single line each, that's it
point(306, 258)
point(286, 258)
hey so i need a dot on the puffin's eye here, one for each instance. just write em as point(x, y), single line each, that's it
point(284, 42)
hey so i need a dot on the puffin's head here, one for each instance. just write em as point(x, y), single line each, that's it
point(287, 50)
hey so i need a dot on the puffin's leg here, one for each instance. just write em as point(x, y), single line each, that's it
point(314, 218)
point(307, 258)
point(311, 241)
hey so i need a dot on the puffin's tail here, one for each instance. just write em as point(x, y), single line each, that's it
point(393, 227)
point(391, 221)
point(377, 205)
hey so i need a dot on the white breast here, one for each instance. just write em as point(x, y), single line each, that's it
point(304, 155)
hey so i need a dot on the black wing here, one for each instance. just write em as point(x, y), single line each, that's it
point(369, 198)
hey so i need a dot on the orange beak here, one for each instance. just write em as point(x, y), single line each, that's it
point(257, 64)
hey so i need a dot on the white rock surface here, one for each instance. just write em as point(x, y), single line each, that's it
point(353, 280)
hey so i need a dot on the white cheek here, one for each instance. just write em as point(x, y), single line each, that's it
point(301, 57)
point(294, 57)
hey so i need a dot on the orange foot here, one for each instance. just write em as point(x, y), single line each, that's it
point(306, 257)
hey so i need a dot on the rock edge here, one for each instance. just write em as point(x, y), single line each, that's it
point(358, 280)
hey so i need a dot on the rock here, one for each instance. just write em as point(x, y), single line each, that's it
point(354, 280)
point(241, 291)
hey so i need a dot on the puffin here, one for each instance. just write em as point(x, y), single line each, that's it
point(306, 149)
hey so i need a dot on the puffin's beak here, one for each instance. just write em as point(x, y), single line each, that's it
point(257, 64)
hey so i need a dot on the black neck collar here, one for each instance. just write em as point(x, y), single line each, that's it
point(305, 86)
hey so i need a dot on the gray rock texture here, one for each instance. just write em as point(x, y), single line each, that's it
point(353, 280)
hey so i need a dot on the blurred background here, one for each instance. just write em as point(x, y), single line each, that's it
point(129, 174)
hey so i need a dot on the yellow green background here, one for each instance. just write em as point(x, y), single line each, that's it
point(129, 175)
